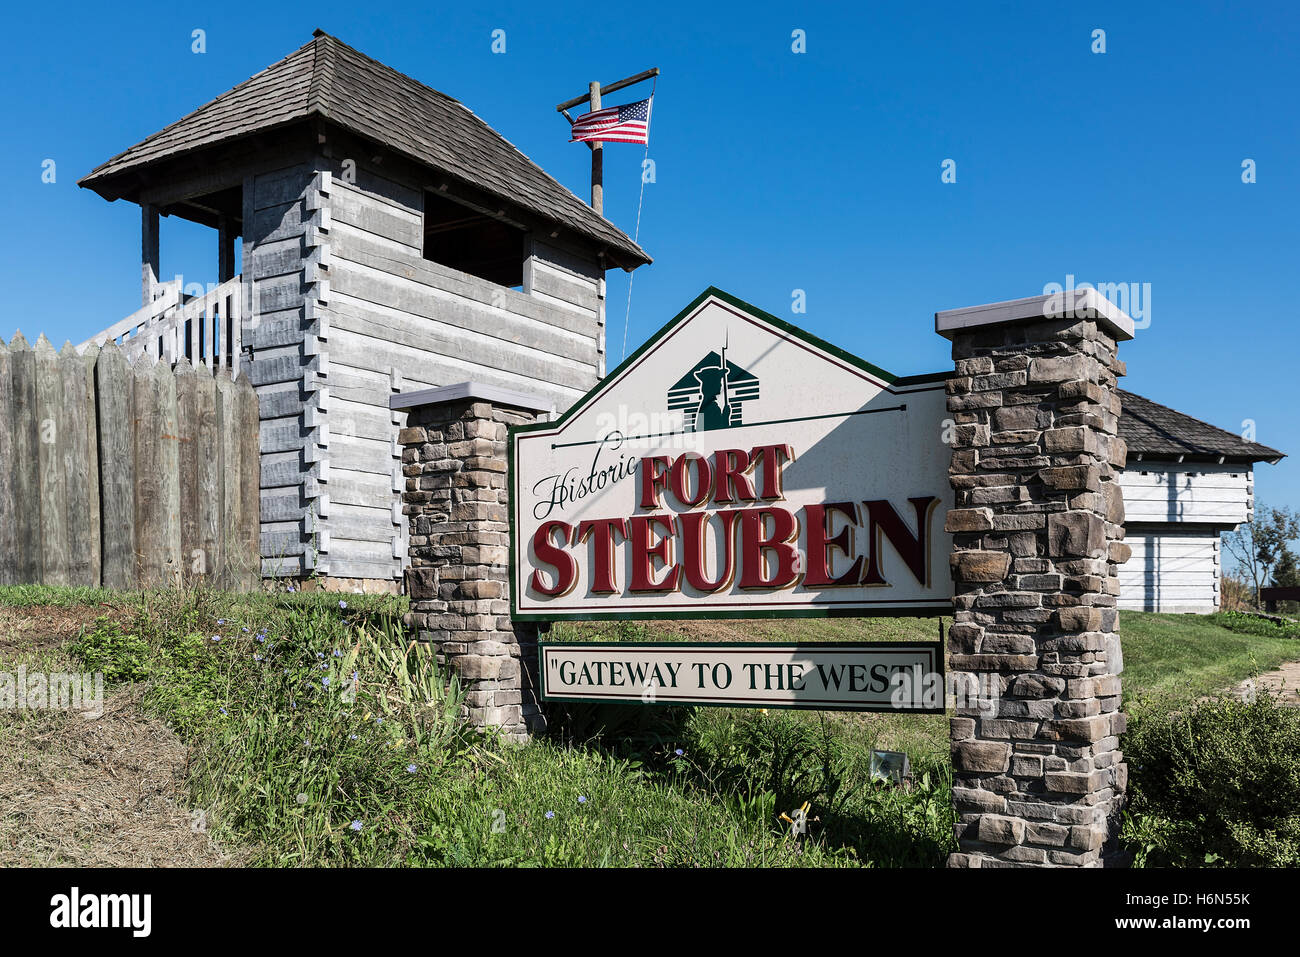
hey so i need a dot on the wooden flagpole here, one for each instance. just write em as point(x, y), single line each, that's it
point(597, 159)
point(592, 97)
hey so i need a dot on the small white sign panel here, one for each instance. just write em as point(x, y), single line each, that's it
point(735, 466)
point(840, 677)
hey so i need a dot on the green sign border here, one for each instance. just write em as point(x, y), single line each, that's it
point(812, 611)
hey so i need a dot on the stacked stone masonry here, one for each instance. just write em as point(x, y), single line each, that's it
point(1038, 529)
point(454, 461)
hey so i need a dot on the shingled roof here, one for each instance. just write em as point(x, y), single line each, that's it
point(326, 78)
point(1157, 431)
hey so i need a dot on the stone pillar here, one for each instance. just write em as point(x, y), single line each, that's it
point(454, 461)
point(1037, 523)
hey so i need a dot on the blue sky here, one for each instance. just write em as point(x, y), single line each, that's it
point(775, 170)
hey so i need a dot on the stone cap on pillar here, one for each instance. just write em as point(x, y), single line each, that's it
point(471, 392)
point(1084, 303)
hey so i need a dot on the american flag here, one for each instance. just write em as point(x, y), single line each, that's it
point(617, 124)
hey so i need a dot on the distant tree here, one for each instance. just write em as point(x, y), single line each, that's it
point(1258, 546)
point(1285, 573)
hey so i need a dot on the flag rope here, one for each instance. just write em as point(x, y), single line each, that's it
point(636, 235)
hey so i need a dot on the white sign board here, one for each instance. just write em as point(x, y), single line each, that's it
point(735, 466)
point(898, 676)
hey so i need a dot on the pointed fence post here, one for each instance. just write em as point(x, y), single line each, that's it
point(8, 522)
point(80, 469)
point(207, 505)
point(227, 409)
point(115, 405)
point(188, 453)
point(92, 518)
point(149, 519)
point(52, 438)
point(26, 474)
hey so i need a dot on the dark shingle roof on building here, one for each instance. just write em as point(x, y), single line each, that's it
point(329, 79)
point(1157, 431)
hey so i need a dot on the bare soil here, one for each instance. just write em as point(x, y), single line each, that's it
point(25, 632)
point(89, 792)
point(1284, 682)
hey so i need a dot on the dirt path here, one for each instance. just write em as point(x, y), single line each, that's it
point(1284, 682)
point(89, 792)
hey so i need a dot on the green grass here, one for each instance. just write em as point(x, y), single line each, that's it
point(759, 629)
point(288, 767)
point(1192, 655)
point(19, 596)
point(291, 770)
point(604, 810)
point(1248, 624)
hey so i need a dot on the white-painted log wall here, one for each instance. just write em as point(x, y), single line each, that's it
point(1195, 492)
point(1171, 571)
point(397, 322)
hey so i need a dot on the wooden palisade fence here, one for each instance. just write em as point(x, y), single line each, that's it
point(125, 473)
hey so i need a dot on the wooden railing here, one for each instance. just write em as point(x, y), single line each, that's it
point(204, 329)
point(133, 326)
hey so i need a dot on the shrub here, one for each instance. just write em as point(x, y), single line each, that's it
point(773, 762)
point(1217, 783)
point(781, 753)
point(187, 683)
point(1245, 623)
point(316, 745)
point(118, 653)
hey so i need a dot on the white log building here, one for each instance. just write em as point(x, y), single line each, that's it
point(1187, 483)
point(391, 241)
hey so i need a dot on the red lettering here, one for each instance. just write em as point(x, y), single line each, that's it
point(755, 543)
point(645, 551)
point(653, 480)
point(680, 481)
point(731, 483)
point(775, 458)
point(883, 520)
point(817, 519)
point(566, 569)
point(693, 550)
point(604, 577)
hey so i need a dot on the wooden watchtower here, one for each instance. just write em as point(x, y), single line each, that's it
point(390, 241)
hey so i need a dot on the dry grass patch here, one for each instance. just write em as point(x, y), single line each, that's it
point(88, 792)
point(27, 632)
